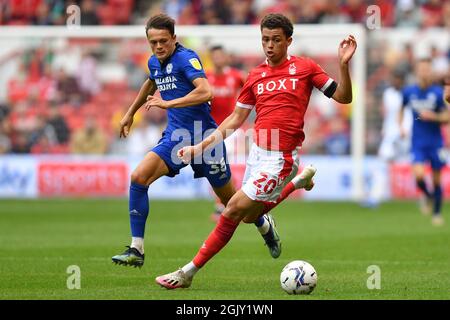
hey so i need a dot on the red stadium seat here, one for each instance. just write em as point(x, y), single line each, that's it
point(75, 122)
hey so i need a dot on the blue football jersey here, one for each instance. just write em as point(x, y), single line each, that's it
point(424, 133)
point(174, 80)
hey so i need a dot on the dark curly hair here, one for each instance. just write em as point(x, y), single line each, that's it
point(277, 20)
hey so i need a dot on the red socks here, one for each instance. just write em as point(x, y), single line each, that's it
point(284, 194)
point(225, 228)
point(216, 240)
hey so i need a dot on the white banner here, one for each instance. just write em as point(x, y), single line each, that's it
point(333, 180)
point(109, 176)
point(18, 177)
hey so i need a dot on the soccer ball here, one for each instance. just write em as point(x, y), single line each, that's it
point(298, 277)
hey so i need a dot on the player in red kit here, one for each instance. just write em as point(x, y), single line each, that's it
point(226, 82)
point(279, 90)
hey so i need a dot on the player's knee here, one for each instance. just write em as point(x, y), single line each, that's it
point(138, 177)
point(233, 212)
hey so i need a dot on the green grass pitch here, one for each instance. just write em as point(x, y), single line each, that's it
point(40, 239)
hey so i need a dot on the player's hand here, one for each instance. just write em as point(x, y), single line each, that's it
point(186, 154)
point(153, 101)
point(125, 126)
point(347, 48)
point(427, 115)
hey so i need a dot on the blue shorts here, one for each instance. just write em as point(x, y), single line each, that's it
point(215, 168)
point(436, 156)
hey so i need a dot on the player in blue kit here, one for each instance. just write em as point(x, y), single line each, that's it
point(179, 76)
point(429, 111)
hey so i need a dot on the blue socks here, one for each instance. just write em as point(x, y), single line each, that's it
point(423, 187)
point(138, 209)
point(259, 222)
point(437, 197)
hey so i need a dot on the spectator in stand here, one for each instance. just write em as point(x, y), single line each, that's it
point(67, 89)
point(59, 125)
point(42, 17)
point(90, 139)
point(44, 140)
point(405, 62)
point(173, 8)
point(23, 121)
point(43, 146)
point(5, 141)
point(310, 11)
point(88, 13)
point(20, 144)
point(4, 111)
point(432, 13)
point(439, 63)
point(42, 129)
point(240, 12)
point(407, 15)
point(58, 11)
point(88, 82)
point(213, 12)
point(333, 14)
point(446, 14)
point(356, 10)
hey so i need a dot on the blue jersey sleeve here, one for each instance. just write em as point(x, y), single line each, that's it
point(192, 67)
point(150, 76)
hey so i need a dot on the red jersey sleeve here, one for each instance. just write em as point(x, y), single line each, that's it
point(321, 80)
point(246, 98)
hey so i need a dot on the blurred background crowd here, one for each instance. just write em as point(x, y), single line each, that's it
point(398, 13)
point(61, 99)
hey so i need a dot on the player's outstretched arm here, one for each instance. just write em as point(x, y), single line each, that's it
point(347, 48)
point(442, 117)
point(148, 88)
point(226, 128)
point(201, 94)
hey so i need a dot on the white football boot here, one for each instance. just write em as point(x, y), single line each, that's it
point(174, 280)
point(305, 179)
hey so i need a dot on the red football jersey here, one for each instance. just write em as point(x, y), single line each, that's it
point(226, 88)
point(281, 96)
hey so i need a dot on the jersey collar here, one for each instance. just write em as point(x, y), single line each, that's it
point(288, 59)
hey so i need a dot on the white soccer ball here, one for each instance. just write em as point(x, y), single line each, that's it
point(298, 277)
